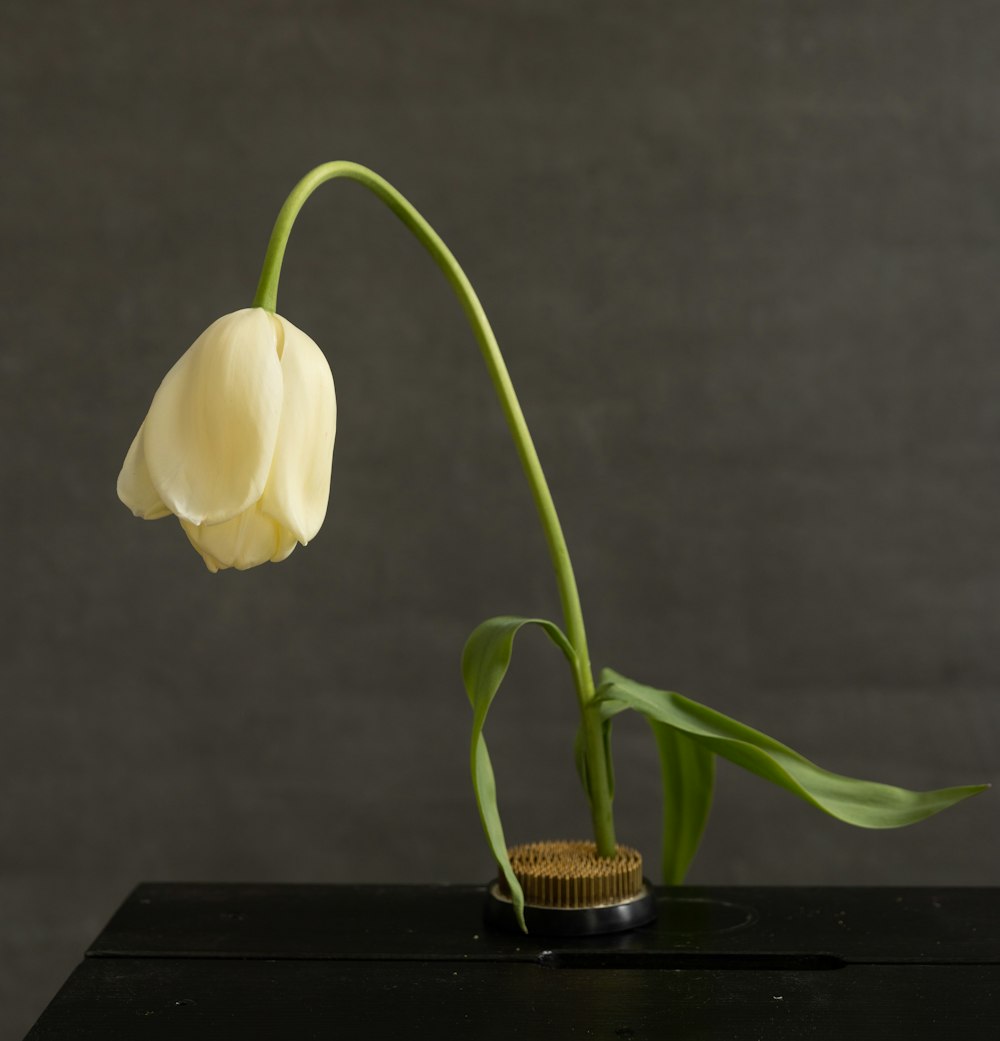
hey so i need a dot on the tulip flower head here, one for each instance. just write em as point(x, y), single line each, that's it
point(238, 442)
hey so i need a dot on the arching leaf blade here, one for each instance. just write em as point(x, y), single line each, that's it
point(485, 660)
point(688, 771)
point(865, 804)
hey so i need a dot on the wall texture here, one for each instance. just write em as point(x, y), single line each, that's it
point(743, 260)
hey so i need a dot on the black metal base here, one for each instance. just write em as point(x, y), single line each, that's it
point(572, 921)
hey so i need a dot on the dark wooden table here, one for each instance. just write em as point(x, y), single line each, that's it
point(290, 962)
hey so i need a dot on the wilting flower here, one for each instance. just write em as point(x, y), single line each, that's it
point(238, 442)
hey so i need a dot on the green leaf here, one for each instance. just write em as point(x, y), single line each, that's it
point(866, 804)
point(688, 771)
point(484, 664)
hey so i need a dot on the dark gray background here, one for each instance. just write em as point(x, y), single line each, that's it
point(743, 259)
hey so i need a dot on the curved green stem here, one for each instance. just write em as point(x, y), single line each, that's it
point(266, 297)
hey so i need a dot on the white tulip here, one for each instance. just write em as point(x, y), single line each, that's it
point(238, 442)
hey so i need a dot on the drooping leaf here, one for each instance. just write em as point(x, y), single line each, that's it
point(866, 804)
point(688, 771)
point(484, 664)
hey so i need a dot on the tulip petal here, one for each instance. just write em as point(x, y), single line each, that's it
point(298, 488)
point(210, 562)
point(242, 542)
point(135, 487)
point(286, 543)
point(210, 434)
